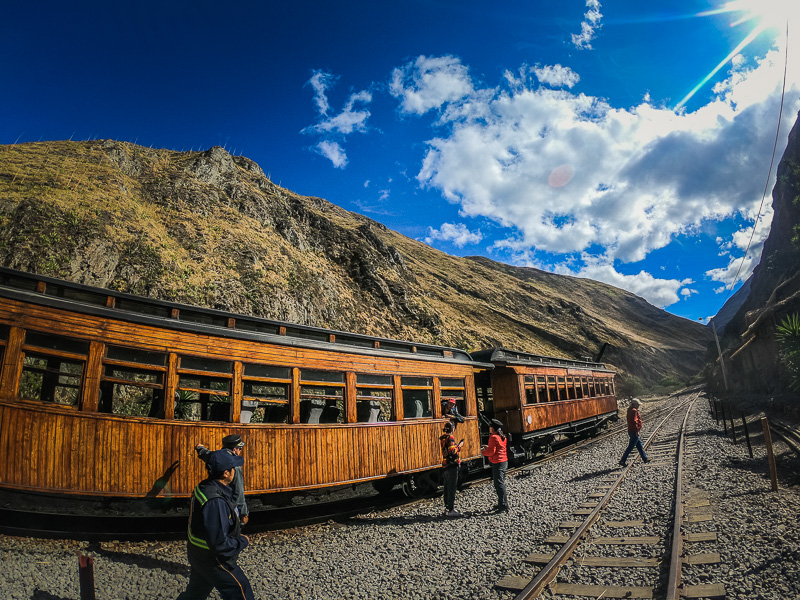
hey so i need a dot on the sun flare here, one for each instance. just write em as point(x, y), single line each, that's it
point(764, 14)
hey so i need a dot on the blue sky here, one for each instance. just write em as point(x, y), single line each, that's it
point(628, 142)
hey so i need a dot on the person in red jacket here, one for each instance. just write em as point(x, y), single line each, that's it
point(496, 452)
point(634, 427)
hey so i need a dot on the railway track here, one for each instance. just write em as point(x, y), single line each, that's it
point(631, 549)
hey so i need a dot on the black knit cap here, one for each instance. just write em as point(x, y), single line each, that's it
point(497, 424)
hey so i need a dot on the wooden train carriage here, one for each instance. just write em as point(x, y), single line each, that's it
point(538, 396)
point(107, 394)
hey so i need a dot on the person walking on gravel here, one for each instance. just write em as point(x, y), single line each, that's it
point(496, 452)
point(215, 538)
point(450, 464)
point(235, 445)
point(634, 427)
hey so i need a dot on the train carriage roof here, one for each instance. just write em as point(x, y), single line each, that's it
point(505, 357)
point(66, 295)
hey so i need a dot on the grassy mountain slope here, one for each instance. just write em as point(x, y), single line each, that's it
point(210, 229)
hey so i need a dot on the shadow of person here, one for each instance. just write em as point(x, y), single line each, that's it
point(594, 474)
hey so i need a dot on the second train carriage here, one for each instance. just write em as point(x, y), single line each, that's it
point(539, 397)
point(105, 395)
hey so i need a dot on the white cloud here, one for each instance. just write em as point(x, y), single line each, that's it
point(456, 233)
point(429, 83)
point(567, 172)
point(333, 152)
point(556, 76)
point(333, 129)
point(589, 26)
point(659, 292)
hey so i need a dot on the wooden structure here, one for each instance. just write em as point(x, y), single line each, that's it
point(105, 394)
point(536, 396)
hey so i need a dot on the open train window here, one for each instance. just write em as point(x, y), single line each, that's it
point(453, 388)
point(265, 394)
point(529, 383)
point(321, 396)
point(78, 295)
point(585, 387)
point(562, 388)
point(204, 389)
point(132, 382)
point(417, 397)
point(592, 388)
point(49, 378)
point(4, 331)
point(374, 398)
point(58, 343)
point(541, 388)
point(552, 395)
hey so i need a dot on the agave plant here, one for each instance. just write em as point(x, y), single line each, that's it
point(788, 336)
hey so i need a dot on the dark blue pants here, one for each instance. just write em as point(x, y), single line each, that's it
point(635, 442)
point(450, 482)
point(499, 478)
point(208, 573)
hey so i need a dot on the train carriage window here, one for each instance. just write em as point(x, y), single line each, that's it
point(578, 387)
point(551, 389)
point(374, 397)
point(530, 389)
point(541, 388)
point(562, 388)
point(570, 388)
point(268, 387)
point(132, 382)
point(321, 397)
point(592, 388)
point(204, 389)
point(56, 342)
point(51, 379)
point(453, 388)
point(4, 332)
point(144, 308)
point(585, 387)
point(84, 296)
point(417, 397)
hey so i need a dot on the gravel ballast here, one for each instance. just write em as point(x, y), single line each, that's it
point(415, 552)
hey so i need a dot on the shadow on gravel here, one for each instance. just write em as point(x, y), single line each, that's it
point(42, 595)
point(594, 474)
point(137, 560)
point(410, 520)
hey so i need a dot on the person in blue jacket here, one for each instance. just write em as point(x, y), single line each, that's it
point(235, 445)
point(215, 538)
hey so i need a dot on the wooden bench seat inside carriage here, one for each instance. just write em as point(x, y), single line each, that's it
point(106, 394)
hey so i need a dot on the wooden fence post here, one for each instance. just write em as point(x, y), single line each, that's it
point(86, 577)
point(773, 473)
point(724, 422)
point(747, 435)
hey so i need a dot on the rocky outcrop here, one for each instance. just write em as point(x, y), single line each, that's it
point(750, 347)
point(211, 229)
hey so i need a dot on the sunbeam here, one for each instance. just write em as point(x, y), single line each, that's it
point(767, 14)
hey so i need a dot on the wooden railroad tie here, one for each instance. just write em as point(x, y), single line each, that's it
point(516, 584)
point(644, 540)
point(707, 590)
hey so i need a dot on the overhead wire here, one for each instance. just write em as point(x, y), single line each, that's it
point(771, 163)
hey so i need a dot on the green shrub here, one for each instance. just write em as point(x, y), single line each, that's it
point(788, 336)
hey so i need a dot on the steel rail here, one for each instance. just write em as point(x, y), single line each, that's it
point(676, 562)
point(789, 435)
point(551, 569)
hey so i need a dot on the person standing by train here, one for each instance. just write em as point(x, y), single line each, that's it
point(496, 452)
point(235, 445)
point(215, 538)
point(634, 427)
point(450, 465)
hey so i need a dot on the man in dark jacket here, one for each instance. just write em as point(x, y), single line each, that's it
point(214, 535)
point(235, 445)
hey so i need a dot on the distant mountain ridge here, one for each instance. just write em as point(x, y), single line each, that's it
point(210, 229)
